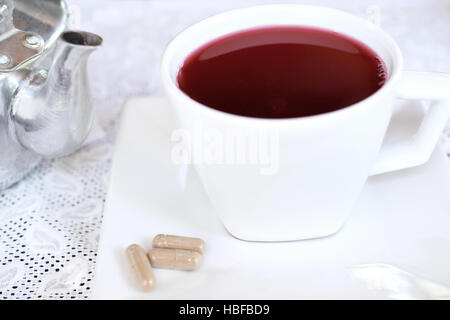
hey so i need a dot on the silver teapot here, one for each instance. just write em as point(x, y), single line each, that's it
point(45, 107)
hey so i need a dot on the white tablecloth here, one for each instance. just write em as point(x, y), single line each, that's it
point(50, 221)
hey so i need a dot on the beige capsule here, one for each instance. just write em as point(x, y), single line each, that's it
point(177, 242)
point(141, 267)
point(175, 259)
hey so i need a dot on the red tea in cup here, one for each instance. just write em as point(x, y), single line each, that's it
point(282, 72)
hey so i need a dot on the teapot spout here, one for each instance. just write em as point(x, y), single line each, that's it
point(51, 112)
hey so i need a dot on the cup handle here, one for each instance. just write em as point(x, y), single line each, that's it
point(417, 149)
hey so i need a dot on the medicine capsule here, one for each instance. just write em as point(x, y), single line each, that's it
point(175, 259)
point(177, 242)
point(141, 267)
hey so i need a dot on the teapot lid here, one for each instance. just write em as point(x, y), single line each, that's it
point(28, 28)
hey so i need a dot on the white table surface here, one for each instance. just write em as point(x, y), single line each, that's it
point(50, 222)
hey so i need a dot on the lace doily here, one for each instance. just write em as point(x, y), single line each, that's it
point(50, 221)
point(49, 227)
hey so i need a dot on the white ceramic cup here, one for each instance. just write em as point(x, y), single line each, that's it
point(323, 160)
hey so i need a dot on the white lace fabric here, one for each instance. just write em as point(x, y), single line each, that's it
point(49, 227)
point(50, 221)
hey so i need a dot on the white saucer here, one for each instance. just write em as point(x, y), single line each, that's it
point(395, 245)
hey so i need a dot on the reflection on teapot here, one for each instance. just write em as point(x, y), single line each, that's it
point(45, 107)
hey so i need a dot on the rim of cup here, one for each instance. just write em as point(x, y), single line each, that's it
point(170, 84)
